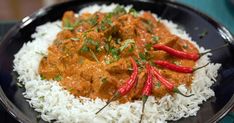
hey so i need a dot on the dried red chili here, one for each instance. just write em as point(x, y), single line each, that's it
point(177, 53)
point(147, 88)
point(123, 90)
point(170, 86)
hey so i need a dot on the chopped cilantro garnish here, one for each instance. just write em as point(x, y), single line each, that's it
point(203, 34)
point(19, 84)
point(148, 46)
point(107, 61)
point(42, 77)
point(93, 20)
point(115, 53)
point(40, 53)
point(75, 39)
point(185, 46)
point(94, 56)
point(126, 43)
point(104, 80)
point(158, 84)
point(109, 38)
point(142, 56)
point(107, 47)
point(58, 78)
point(133, 12)
point(119, 10)
point(84, 48)
point(117, 41)
point(155, 39)
point(68, 25)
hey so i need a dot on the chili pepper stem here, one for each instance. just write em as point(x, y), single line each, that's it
point(215, 49)
point(200, 67)
point(176, 90)
point(144, 99)
point(116, 95)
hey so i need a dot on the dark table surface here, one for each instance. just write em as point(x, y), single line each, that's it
point(4, 116)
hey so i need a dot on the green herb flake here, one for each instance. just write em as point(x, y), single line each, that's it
point(104, 80)
point(176, 63)
point(40, 53)
point(43, 34)
point(91, 41)
point(115, 53)
point(57, 78)
point(81, 60)
point(42, 77)
point(133, 12)
point(203, 34)
point(94, 56)
point(142, 56)
point(75, 39)
point(131, 49)
point(119, 10)
point(126, 43)
point(84, 48)
point(107, 47)
point(42, 97)
point(109, 38)
point(148, 46)
point(185, 46)
point(93, 20)
point(107, 61)
point(155, 39)
point(158, 84)
point(67, 24)
point(118, 41)
point(19, 84)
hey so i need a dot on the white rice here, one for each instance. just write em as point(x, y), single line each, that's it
point(55, 103)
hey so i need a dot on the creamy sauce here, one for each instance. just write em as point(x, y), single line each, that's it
point(90, 56)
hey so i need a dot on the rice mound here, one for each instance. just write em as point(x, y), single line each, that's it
point(55, 103)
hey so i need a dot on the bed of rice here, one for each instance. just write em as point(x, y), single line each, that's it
point(55, 103)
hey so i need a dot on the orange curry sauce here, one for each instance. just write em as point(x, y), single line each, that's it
point(90, 56)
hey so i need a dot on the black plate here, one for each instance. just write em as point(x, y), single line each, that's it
point(192, 21)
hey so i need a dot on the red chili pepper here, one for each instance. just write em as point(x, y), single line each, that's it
point(177, 68)
point(166, 83)
point(177, 53)
point(185, 55)
point(123, 90)
point(147, 88)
